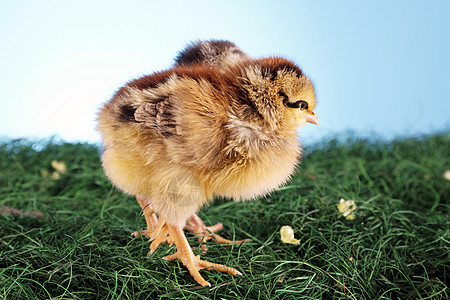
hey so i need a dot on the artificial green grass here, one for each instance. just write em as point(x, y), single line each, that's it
point(397, 247)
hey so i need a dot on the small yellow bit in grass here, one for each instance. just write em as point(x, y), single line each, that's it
point(347, 207)
point(55, 176)
point(287, 235)
point(59, 166)
point(447, 174)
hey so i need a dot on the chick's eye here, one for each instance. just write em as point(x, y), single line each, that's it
point(298, 104)
point(303, 105)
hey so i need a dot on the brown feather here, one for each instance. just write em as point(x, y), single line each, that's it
point(181, 136)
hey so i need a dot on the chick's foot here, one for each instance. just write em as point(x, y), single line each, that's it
point(150, 218)
point(189, 260)
point(204, 233)
point(164, 232)
point(158, 231)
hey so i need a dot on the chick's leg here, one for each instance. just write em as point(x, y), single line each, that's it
point(163, 232)
point(192, 262)
point(149, 215)
point(204, 233)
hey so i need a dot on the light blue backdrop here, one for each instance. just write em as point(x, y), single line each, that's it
point(380, 67)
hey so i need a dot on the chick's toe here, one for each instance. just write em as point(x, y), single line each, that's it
point(190, 261)
point(204, 233)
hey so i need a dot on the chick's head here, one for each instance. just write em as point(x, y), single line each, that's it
point(281, 95)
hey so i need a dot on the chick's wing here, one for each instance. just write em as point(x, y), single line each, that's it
point(159, 115)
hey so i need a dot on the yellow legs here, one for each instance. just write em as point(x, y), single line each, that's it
point(159, 232)
point(149, 215)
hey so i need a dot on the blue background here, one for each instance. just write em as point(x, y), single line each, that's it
point(380, 67)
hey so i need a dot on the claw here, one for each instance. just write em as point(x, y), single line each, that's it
point(204, 233)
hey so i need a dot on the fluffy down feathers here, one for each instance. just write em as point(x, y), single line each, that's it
point(215, 53)
point(181, 136)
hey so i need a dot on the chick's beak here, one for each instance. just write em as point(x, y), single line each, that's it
point(312, 118)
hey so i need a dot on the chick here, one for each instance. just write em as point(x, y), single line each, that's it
point(219, 54)
point(177, 138)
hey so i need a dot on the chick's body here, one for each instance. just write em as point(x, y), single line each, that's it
point(179, 137)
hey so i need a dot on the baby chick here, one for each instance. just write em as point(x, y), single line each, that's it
point(177, 138)
point(216, 53)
